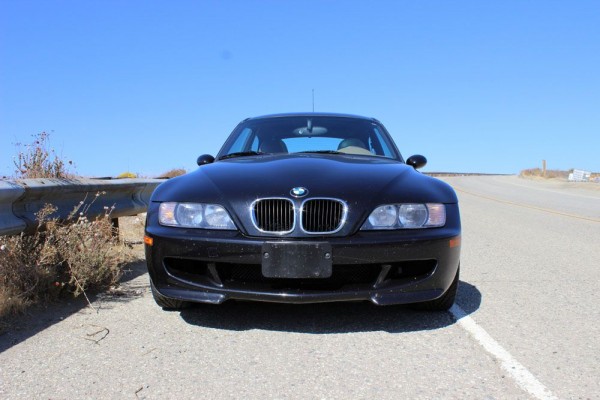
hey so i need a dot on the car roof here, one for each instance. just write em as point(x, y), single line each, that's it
point(311, 114)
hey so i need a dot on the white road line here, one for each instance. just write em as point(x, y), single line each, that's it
point(516, 370)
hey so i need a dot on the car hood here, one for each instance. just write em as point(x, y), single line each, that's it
point(354, 179)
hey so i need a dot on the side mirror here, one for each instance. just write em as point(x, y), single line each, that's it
point(205, 159)
point(417, 161)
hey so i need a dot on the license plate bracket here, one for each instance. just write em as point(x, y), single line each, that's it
point(296, 260)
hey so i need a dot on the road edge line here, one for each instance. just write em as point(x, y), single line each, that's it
point(521, 375)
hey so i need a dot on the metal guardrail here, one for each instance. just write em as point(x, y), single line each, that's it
point(21, 200)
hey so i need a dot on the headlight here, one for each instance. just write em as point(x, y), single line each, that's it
point(194, 215)
point(384, 216)
point(406, 216)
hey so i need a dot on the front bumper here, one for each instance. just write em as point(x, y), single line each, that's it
point(393, 267)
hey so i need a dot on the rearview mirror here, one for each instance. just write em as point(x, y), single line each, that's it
point(417, 161)
point(205, 159)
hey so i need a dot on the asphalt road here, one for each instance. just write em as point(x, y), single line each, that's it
point(526, 325)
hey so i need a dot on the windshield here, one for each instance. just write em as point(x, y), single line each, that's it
point(309, 134)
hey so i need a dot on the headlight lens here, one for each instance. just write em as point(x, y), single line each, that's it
point(384, 216)
point(195, 215)
point(412, 215)
point(406, 216)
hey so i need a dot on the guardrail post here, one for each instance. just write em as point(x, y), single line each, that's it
point(115, 227)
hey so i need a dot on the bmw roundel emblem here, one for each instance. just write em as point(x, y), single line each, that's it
point(299, 192)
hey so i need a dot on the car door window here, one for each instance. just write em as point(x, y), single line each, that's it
point(245, 141)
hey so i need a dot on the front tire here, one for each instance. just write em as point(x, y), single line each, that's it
point(443, 303)
point(167, 303)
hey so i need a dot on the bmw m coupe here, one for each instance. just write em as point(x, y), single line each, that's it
point(302, 208)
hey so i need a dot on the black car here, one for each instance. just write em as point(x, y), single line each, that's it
point(301, 208)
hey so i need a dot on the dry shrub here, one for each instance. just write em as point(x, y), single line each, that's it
point(23, 278)
point(173, 173)
point(91, 253)
point(127, 175)
point(550, 173)
point(39, 161)
point(60, 258)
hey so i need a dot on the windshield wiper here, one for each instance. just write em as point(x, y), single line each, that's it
point(320, 152)
point(241, 154)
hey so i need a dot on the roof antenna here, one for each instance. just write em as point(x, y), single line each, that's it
point(313, 91)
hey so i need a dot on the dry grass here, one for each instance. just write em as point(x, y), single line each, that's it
point(550, 173)
point(173, 173)
point(37, 160)
point(60, 259)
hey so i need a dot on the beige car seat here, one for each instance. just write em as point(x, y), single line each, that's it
point(353, 146)
point(273, 146)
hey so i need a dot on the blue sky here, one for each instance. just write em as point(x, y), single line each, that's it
point(147, 86)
